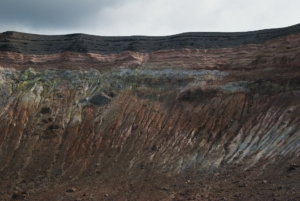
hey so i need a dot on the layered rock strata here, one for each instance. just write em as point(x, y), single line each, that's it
point(193, 116)
point(260, 49)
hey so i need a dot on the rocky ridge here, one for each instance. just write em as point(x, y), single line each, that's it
point(198, 116)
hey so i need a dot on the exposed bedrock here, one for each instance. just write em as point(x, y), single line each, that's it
point(57, 126)
point(250, 50)
point(42, 44)
point(176, 123)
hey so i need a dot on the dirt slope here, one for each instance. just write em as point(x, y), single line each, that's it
point(196, 116)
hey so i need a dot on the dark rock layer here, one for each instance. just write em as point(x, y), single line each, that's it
point(81, 43)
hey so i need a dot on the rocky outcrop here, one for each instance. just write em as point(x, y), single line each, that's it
point(82, 43)
point(194, 116)
point(260, 49)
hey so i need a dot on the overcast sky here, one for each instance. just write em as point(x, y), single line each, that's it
point(145, 17)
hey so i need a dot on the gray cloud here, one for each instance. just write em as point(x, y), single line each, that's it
point(55, 14)
point(137, 17)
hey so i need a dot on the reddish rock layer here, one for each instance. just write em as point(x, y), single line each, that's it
point(281, 51)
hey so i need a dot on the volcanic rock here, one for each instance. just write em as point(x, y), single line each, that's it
point(191, 116)
point(71, 190)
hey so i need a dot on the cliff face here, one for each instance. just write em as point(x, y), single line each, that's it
point(192, 116)
point(258, 49)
